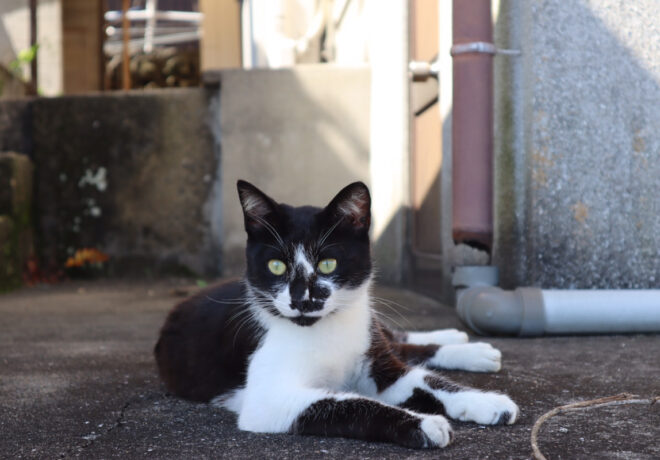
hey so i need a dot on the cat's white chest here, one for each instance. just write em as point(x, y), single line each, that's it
point(323, 356)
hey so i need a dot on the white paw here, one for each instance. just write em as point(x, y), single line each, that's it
point(437, 431)
point(484, 408)
point(439, 337)
point(474, 357)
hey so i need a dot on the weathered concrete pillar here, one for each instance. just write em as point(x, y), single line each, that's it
point(577, 144)
point(16, 236)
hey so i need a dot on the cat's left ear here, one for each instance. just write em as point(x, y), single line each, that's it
point(353, 206)
point(258, 208)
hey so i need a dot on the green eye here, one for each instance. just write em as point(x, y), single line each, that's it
point(276, 267)
point(327, 266)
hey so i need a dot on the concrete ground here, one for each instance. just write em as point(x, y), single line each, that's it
point(77, 379)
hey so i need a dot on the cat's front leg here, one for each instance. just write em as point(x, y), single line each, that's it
point(474, 357)
point(436, 337)
point(322, 413)
point(444, 349)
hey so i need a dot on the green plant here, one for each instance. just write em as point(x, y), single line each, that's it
point(24, 58)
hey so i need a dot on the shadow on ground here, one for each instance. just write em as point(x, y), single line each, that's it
point(77, 379)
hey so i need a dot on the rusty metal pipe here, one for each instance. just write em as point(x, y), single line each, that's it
point(126, 55)
point(472, 125)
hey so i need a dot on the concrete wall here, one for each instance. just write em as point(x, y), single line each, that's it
point(299, 134)
point(16, 125)
point(16, 235)
point(128, 173)
point(578, 144)
point(149, 177)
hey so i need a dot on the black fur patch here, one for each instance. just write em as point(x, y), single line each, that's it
point(386, 367)
point(414, 354)
point(424, 402)
point(205, 343)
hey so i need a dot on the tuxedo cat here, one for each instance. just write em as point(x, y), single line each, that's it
point(295, 347)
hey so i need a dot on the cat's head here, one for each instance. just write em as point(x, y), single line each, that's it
point(304, 263)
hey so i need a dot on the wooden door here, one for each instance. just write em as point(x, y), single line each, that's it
point(426, 153)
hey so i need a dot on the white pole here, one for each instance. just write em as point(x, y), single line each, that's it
point(150, 8)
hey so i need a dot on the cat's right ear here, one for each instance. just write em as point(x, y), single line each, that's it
point(352, 207)
point(258, 207)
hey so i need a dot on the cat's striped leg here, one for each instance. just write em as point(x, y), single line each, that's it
point(319, 412)
point(392, 381)
point(423, 390)
point(473, 357)
point(443, 349)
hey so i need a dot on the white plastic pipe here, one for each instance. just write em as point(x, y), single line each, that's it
point(533, 312)
point(589, 311)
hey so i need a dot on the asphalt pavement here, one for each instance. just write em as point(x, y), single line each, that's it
point(78, 379)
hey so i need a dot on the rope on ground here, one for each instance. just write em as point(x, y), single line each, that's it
point(616, 400)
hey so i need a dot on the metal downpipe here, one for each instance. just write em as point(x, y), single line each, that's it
point(472, 124)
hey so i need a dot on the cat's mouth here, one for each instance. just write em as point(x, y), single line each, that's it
point(303, 320)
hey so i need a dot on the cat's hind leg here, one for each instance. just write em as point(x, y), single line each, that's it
point(422, 390)
point(413, 387)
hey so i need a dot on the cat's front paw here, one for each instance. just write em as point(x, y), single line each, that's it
point(484, 408)
point(436, 431)
point(474, 357)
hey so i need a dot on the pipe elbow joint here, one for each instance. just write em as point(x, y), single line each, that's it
point(490, 310)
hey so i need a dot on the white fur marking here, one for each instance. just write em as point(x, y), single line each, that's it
point(303, 262)
point(251, 202)
point(282, 302)
point(402, 389)
point(353, 205)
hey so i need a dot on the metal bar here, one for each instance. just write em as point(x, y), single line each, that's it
point(126, 58)
point(158, 30)
point(143, 15)
point(34, 75)
point(136, 44)
point(480, 47)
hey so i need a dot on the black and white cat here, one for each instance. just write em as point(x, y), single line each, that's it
point(295, 346)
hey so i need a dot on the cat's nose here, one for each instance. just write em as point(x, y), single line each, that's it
point(306, 306)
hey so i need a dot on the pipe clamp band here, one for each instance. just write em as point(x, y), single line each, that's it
point(481, 48)
point(533, 317)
